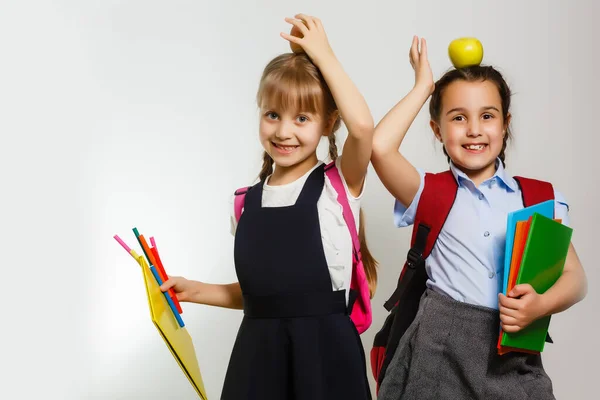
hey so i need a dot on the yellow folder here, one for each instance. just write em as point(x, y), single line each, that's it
point(176, 338)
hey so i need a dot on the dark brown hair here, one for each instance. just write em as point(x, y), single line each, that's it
point(473, 74)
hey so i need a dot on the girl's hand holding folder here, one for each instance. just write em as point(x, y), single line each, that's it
point(522, 306)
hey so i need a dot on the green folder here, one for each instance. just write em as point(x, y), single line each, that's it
point(541, 266)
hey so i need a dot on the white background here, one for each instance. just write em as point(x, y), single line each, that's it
point(115, 114)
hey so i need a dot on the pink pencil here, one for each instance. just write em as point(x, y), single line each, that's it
point(127, 248)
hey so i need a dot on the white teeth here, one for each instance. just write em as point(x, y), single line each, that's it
point(286, 148)
point(475, 146)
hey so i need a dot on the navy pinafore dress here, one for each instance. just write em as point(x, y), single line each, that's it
point(296, 340)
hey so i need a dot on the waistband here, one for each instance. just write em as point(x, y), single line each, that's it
point(295, 305)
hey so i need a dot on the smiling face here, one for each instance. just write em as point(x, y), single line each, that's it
point(297, 110)
point(291, 136)
point(471, 126)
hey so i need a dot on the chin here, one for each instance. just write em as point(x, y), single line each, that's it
point(473, 163)
point(284, 162)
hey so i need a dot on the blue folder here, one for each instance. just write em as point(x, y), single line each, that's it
point(546, 209)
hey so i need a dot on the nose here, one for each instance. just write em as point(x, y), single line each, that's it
point(284, 131)
point(473, 129)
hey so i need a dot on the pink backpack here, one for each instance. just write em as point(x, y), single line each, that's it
point(361, 308)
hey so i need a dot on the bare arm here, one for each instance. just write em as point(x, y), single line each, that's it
point(226, 296)
point(351, 104)
point(357, 117)
point(397, 174)
point(569, 289)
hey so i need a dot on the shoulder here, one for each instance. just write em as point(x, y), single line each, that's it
point(338, 166)
point(433, 187)
point(439, 180)
point(561, 205)
point(236, 206)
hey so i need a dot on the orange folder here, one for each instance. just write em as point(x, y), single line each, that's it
point(521, 235)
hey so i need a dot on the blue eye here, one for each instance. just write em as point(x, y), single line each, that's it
point(271, 115)
point(302, 119)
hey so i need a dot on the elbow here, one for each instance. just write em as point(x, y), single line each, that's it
point(584, 288)
point(583, 284)
point(363, 129)
point(380, 148)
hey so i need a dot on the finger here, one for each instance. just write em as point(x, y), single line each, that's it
point(318, 24)
point(423, 49)
point(510, 328)
point(521, 290)
point(168, 284)
point(508, 320)
point(308, 20)
point(414, 49)
point(513, 304)
point(291, 38)
point(298, 24)
point(508, 311)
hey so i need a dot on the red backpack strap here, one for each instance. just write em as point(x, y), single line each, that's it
point(360, 309)
point(534, 191)
point(434, 206)
point(437, 199)
point(238, 203)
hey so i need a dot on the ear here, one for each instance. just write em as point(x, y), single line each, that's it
point(507, 123)
point(331, 123)
point(435, 127)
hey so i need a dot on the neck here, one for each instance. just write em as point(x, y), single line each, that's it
point(480, 175)
point(284, 175)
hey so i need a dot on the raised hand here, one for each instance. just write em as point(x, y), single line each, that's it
point(308, 33)
point(420, 63)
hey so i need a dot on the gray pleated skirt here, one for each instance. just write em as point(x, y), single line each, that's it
point(450, 352)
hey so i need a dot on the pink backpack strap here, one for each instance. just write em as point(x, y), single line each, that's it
point(238, 204)
point(361, 313)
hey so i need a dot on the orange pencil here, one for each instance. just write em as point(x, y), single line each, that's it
point(161, 268)
point(161, 272)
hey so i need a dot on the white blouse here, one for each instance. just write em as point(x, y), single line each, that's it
point(337, 243)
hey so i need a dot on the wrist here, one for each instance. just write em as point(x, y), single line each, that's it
point(424, 89)
point(546, 305)
point(198, 292)
point(326, 58)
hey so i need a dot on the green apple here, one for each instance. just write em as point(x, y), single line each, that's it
point(465, 52)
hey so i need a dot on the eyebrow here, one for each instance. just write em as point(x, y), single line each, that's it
point(460, 109)
point(280, 111)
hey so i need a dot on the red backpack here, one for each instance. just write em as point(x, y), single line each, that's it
point(434, 206)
